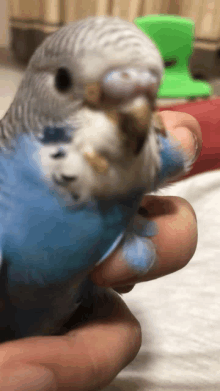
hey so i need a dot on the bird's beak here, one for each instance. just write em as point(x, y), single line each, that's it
point(134, 122)
point(127, 96)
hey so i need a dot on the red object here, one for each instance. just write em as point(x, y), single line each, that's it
point(207, 113)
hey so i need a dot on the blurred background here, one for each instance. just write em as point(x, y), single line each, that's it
point(31, 20)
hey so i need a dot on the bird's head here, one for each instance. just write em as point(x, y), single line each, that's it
point(89, 94)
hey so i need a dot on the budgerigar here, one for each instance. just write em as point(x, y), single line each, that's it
point(80, 146)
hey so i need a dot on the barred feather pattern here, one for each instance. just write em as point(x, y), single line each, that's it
point(88, 48)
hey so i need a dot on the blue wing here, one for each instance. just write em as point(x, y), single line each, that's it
point(48, 248)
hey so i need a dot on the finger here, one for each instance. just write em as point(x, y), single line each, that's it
point(87, 358)
point(175, 244)
point(124, 288)
point(186, 130)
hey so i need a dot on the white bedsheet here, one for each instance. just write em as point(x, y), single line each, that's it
point(180, 313)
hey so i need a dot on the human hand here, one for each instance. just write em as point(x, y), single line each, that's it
point(86, 358)
point(89, 357)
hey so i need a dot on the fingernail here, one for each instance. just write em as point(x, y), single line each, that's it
point(139, 256)
point(188, 142)
point(196, 146)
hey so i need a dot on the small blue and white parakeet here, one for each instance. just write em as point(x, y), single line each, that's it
point(80, 146)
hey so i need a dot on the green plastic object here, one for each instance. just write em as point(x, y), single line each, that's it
point(174, 36)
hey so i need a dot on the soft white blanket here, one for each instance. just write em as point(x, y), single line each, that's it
point(180, 313)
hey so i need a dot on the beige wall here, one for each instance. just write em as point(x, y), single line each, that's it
point(4, 22)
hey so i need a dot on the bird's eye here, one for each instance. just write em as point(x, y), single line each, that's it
point(63, 80)
point(54, 136)
point(59, 154)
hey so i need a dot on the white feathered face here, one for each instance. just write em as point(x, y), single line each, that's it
point(87, 164)
point(90, 91)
